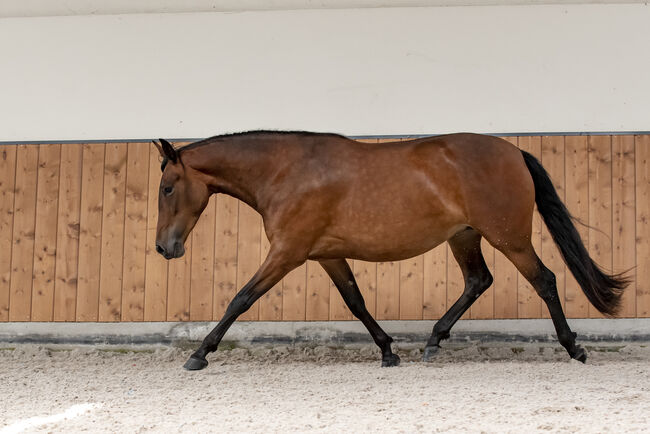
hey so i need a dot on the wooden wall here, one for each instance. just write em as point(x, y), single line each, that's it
point(77, 230)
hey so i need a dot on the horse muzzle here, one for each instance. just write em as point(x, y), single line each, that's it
point(172, 250)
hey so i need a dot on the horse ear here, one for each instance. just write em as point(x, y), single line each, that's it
point(160, 149)
point(168, 151)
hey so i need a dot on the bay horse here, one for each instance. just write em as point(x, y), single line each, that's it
point(326, 197)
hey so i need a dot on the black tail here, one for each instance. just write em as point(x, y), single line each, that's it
point(603, 290)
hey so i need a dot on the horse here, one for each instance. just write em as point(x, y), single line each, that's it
point(328, 198)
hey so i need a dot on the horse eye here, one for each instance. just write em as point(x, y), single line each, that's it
point(168, 190)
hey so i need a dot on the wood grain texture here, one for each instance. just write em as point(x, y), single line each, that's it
point(553, 154)
point(483, 308)
point(455, 281)
point(47, 200)
point(248, 253)
point(642, 154)
point(67, 234)
point(411, 288)
point(22, 252)
point(112, 250)
point(318, 293)
point(600, 205)
point(294, 295)
point(178, 285)
point(529, 303)
point(623, 218)
point(388, 290)
point(365, 273)
point(135, 232)
point(203, 264)
point(7, 183)
point(577, 202)
point(225, 254)
point(434, 298)
point(505, 280)
point(156, 267)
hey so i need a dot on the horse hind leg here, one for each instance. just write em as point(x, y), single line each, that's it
point(466, 247)
point(543, 281)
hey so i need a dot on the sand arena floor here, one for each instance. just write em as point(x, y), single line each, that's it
point(470, 388)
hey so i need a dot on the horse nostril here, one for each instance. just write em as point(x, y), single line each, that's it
point(159, 249)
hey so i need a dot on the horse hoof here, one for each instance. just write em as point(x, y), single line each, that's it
point(392, 360)
point(580, 355)
point(195, 364)
point(430, 352)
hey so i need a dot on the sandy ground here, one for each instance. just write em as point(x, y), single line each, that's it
point(469, 388)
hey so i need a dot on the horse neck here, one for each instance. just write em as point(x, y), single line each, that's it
point(233, 167)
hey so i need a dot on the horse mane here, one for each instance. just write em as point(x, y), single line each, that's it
point(213, 139)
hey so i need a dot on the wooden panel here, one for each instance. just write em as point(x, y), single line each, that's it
point(156, 267)
point(135, 232)
point(318, 293)
point(110, 279)
point(271, 302)
point(483, 308)
point(248, 252)
point(642, 157)
point(600, 204)
point(623, 215)
point(365, 273)
point(178, 285)
point(338, 310)
point(90, 234)
point(47, 197)
point(388, 289)
point(411, 288)
point(577, 202)
point(225, 254)
point(203, 264)
point(529, 303)
point(434, 298)
point(505, 280)
point(294, 295)
point(67, 243)
point(22, 254)
point(553, 160)
point(7, 182)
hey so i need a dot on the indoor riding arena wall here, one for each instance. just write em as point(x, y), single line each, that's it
point(78, 223)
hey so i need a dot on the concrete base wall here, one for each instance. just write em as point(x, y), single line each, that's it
point(322, 333)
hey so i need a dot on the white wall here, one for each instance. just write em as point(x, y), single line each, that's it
point(355, 71)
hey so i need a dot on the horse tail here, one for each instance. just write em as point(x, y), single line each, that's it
point(603, 290)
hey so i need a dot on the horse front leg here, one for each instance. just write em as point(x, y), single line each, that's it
point(274, 268)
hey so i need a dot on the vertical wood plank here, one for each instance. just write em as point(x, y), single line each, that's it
point(135, 232)
point(529, 303)
point(7, 184)
point(248, 253)
point(505, 279)
point(624, 219)
point(67, 243)
point(156, 267)
point(411, 288)
point(203, 264)
point(294, 294)
point(90, 232)
point(112, 251)
point(179, 277)
point(388, 282)
point(225, 255)
point(434, 299)
point(318, 293)
point(271, 302)
point(22, 253)
point(365, 273)
point(600, 205)
point(47, 199)
point(483, 308)
point(577, 202)
point(642, 158)
point(553, 154)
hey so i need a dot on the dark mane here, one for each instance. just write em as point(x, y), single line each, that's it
point(213, 139)
point(255, 133)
